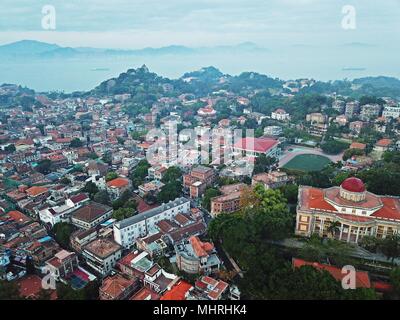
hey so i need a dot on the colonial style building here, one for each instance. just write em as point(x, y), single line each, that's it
point(229, 201)
point(347, 213)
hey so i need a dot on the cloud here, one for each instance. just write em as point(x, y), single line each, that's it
point(138, 23)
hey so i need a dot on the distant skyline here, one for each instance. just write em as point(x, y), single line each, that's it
point(133, 24)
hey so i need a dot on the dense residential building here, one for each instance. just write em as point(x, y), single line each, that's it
point(62, 264)
point(117, 287)
point(229, 201)
point(102, 255)
point(359, 212)
point(271, 180)
point(117, 187)
point(91, 215)
point(280, 115)
point(273, 131)
point(370, 111)
point(198, 180)
point(127, 231)
point(196, 257)
point(391, 112)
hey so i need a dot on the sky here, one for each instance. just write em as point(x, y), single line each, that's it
point(133, 24)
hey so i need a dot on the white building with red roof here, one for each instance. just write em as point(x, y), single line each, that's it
point(356, 212)
point(207, 111)
point(255, 147)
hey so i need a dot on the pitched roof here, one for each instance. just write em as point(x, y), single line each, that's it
point(256, 144)
point(36, 190)
point(115, 286)
point(118, 183)
point(91, 212)
point(177, 292)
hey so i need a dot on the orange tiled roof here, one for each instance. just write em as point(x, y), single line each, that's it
point(178, 292)
point(362, 277)
point(118, 183)
point(36, 190)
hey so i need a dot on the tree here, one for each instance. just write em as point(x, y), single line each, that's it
point(76, 143)
point(370, 243)
point(125, 201)
point(140, 173)
point(290, 192)
point(62, 232)
point(102, 197)
point(390, 247)
point(333, 147)
point(90, 188)
point(111, 176)
point(65, 181)
point(326, 251)
point(334, 228)
point(9, 290)
point(44, 166)
point(208, 194)
point(169, 192)
point(10, 148)
point(352, 152)
point(395, 280)
point(123, 213)
point(263, 164)
point(171, 175)
point(65, 292)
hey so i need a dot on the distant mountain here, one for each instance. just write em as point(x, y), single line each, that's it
point(27, 47)
point(36, 49)
point(379, 82)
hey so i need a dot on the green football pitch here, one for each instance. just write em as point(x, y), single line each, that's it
point(307, 162)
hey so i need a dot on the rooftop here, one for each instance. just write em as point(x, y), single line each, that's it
point(150, 213)
point(91, 212)
point(102, 248)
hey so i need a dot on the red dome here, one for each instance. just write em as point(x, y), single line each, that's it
point(353, 185)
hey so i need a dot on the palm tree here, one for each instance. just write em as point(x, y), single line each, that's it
point(334, 228)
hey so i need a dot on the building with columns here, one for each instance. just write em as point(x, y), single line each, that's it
point(355, 212)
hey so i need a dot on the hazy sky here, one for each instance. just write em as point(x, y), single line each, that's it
point(141, 23)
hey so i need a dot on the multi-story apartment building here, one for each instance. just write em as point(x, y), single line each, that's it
point(370, 111)
point(391, 112)
point(352, 108)
point(127, 231)
point(102, 255)
point(357, 212)
point(229, 201)
point(198, 180)
point(62, 264)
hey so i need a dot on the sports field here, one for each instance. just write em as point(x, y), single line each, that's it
point(307, 162)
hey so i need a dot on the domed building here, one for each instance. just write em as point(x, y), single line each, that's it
point(353, 211)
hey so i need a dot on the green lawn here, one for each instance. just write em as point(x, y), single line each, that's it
point(307, 162)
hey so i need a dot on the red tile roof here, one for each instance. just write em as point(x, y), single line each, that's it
point(200, 248)
point(30, 287)
point(177, 292)
point(256, 144)
point(118, 183)
point(384, 142)
point(36, 190)
point(362, 277)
